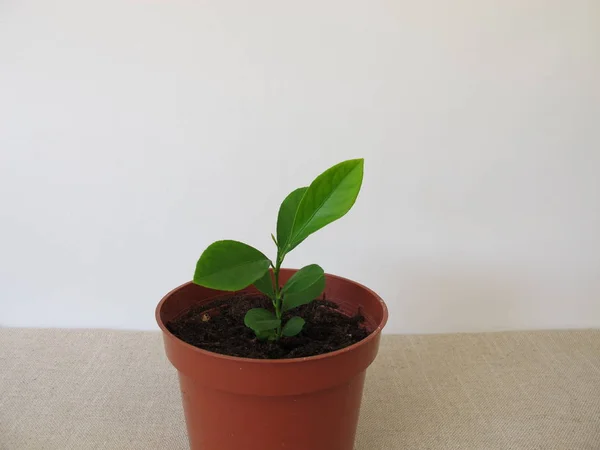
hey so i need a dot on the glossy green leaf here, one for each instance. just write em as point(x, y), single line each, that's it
point(265, 285)
point(329, 197)
point(293, 326)
point(230, 266)
point(287, 213)
point(303, 279)
point(303, 287)
point(260, 320)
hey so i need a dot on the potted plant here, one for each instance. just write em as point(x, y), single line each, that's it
point(263, 364)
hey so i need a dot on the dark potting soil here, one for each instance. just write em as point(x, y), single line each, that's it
point(219, 327)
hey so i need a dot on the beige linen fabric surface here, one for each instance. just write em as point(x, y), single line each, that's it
point(114, 390)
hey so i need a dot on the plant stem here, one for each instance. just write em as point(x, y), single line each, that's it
point(277, 290)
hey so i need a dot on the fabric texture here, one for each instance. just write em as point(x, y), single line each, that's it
point(113, 390)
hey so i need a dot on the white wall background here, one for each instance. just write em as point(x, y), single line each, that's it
point(135, 133)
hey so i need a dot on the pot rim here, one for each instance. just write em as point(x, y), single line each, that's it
point(240, 359)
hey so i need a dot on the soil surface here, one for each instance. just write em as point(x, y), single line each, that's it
point(219, 327)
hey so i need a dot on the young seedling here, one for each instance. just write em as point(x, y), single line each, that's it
point(232, 265)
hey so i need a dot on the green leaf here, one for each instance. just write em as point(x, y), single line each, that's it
point(265, 285)
point(260, 320)
point(287, 213)
point(303, 287)
point(230, 266)
point(293, 326)
point(271, 335)
point(329, 197)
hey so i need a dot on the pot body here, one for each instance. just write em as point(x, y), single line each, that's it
point(309, 403)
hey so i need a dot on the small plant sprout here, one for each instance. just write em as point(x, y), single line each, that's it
point(232, 265)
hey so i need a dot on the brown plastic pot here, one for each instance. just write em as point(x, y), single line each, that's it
point(289, 404)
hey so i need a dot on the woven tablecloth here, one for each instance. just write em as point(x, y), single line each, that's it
point(113, 390)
